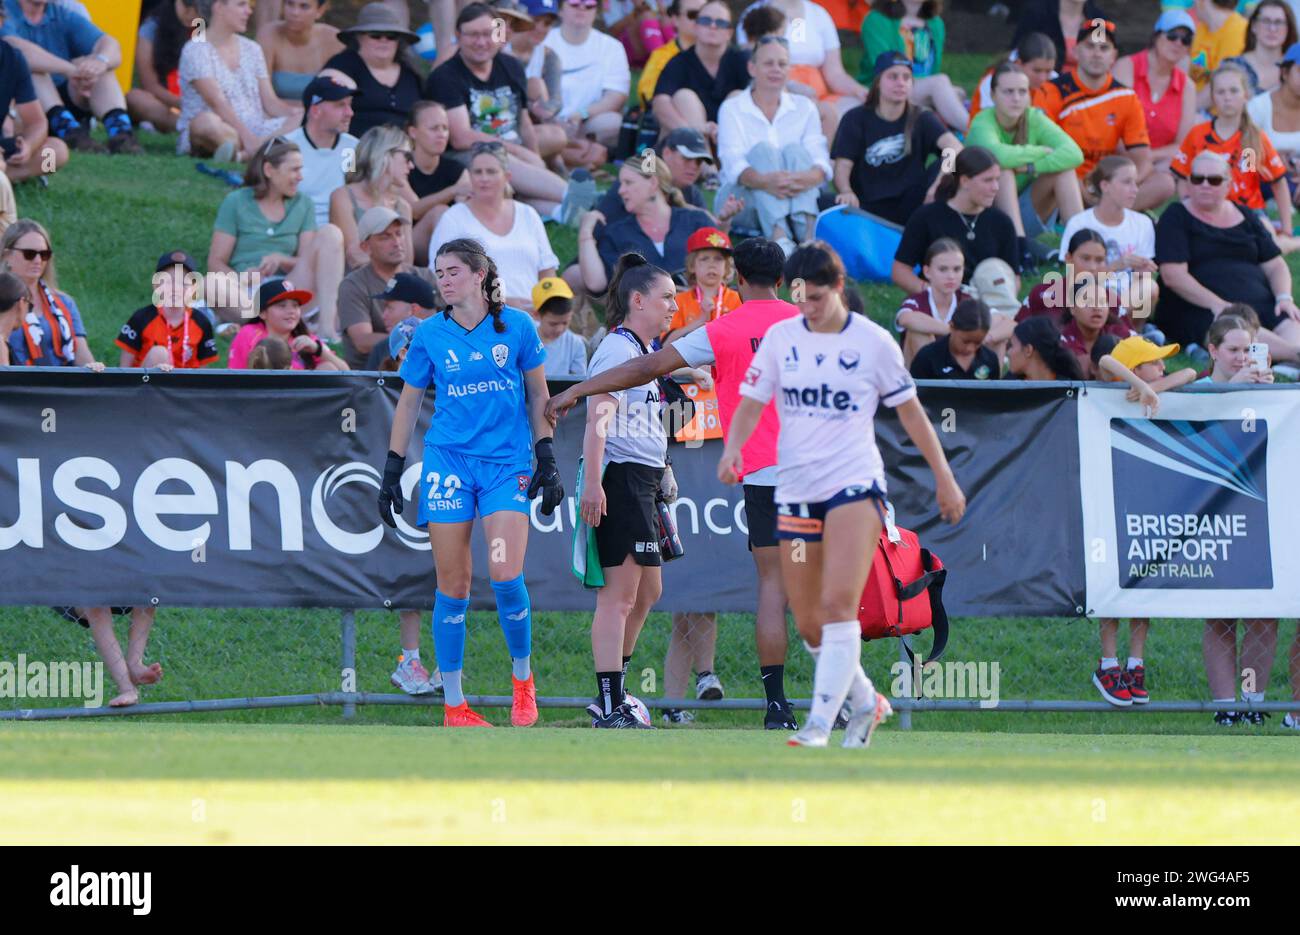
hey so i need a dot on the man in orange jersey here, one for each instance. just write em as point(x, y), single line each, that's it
point(1103, 116)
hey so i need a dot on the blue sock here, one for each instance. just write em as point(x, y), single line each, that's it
point(449, 642)
point(117, 121)
point(515, 613)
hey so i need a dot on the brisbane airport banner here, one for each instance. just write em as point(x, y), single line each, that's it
point(1193, 513)
point(258, 489)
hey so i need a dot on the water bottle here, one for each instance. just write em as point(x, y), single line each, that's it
point(670, 544)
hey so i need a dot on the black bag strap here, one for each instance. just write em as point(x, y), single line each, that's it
point(932, 581)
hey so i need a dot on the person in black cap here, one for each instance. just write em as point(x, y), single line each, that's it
point(881, 148)
point(684, 151)
point(328, 150)
point(169, 333)
point(279, 313)
point(405, 296)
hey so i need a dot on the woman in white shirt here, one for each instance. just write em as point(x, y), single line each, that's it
point(510, 231)
point(1277, 112)
point(773, 154)
point(815, 57)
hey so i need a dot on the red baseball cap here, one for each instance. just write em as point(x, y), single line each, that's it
point(708, 238)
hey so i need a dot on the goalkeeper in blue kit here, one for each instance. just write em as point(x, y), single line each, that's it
point(485, 362)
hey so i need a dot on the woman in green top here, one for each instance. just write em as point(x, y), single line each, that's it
point(268, 227)
point(913, 27)
point(1038, 158)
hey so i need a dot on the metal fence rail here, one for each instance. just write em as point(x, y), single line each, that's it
point(343, 658)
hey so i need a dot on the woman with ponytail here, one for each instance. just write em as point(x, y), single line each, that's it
point(963, 209)
point(1037, 352)
point(830, 479)
point(486, 364)
point(624, 465)
point(1038, 158)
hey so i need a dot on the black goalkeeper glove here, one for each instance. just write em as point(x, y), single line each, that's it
point(390, 488)
point(547, 477)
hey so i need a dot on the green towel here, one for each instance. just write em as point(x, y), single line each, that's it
point(586, 558)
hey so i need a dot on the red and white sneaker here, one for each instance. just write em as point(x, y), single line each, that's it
point(1113, 686)
point(462, 716)
point(523, 710)
point(1135, 680)
point(412, 677)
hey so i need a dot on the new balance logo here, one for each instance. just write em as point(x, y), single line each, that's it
point(454, 618)
point(519, 616)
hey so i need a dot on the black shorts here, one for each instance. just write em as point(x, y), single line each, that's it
point(760, 515)
point(630, 525)
point(65, 94)
point(807, 521)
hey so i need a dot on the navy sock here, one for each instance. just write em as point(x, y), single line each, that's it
point(61, 120)
point(117, 121)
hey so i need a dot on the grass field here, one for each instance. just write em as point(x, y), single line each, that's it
point(136, 783)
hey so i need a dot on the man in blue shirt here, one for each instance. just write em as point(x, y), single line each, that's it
point(25, 151)
point(72, 62)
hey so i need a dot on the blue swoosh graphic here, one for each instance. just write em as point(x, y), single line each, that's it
point(1121, 442)
point(1230, 475)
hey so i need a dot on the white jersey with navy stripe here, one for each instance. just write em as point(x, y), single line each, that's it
point(828, 386)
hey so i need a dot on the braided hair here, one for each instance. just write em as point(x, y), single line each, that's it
point(471, 253)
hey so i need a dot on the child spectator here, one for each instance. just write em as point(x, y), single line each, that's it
point(405, 298)
point(1088, 300)
point(566, 352)
point(1229, 339)
point(52, 334)
point(960, 354)
point(156, 102)
point(926, 315)
point(1036, 352)
point(1141, 364)
point(227, 110)
point(171, 333)
point(1249, 151)
point(270, 353)
point(1130, 236)
point(268, 225)
point(129, 670)
point(709, 268)
point(280, 315)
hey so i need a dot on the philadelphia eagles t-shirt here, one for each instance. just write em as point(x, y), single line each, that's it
point(887, 183)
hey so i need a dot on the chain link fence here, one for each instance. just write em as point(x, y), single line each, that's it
point(299, 659)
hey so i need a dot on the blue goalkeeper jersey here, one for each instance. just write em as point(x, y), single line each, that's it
point(480, 408)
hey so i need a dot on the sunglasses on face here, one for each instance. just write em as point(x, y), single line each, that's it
point(1214, 181)
point(1179, 35)
point(487, 146)
point(782, 41)
point(584, 4)
point(713, 21)
point(30, 255)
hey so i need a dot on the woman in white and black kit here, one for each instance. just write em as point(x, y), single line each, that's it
point(828, 371)
point(624, 460)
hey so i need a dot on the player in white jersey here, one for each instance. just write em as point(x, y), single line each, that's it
point(829, 369)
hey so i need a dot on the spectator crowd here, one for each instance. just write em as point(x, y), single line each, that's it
point(1168, 175)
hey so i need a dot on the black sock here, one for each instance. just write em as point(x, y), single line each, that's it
point(117, 121)
point(626, 661)
point(774, 683)
point(609, 689)
point(61, 120)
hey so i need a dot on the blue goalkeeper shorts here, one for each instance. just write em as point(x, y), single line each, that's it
point(453, 488)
